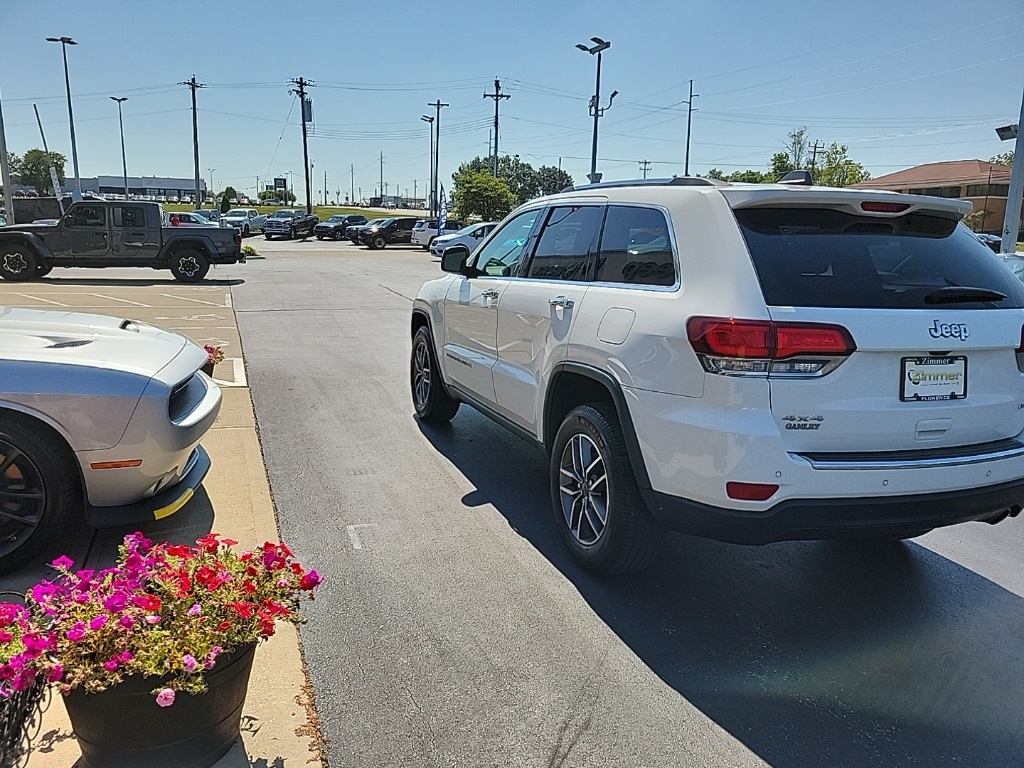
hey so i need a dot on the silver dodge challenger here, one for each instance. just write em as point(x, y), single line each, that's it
point(99, 416)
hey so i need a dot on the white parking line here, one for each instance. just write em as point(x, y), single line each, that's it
point(126, 301)
point(197, 301)
point(40, 298)
point(227, 299)
point(356, 543)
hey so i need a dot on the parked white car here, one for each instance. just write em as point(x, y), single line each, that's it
point(245, 220)
point(470, 237)
point(99, 416)
point(750, 363)
point(425, 230)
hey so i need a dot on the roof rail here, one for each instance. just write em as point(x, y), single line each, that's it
point(675, 181)
point(798, 178)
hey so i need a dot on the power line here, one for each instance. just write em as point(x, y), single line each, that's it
point(497, 96)
point(195, 86)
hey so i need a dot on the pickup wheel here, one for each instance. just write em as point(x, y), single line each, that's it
point(18, 262)
point(433, 404)
point(379, 241)
point(291, 233)
point(266, 235)
point(44, 270)
point(598, 509)
point(189, 266)
point(245, 230)
point(38, 490)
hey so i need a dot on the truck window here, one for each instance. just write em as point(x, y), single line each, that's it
point(88, 216)
point(129, 216)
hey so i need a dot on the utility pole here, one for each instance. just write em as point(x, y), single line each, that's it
point(194, 86)
point(689, 118)
point(352, 181)
point(120, 122)
point(300, 90)
point(437, 149)
point(497, 96)
point(430, 195)
point(814, 156)
point(5, 173)
point(53, 169)
point(382, 178)
point(325, 187)
point(645, 166)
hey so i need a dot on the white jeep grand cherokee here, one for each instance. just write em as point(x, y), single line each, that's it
point(751, 363)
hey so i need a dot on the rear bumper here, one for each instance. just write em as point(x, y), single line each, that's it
point(157, 507)
point(839, 518)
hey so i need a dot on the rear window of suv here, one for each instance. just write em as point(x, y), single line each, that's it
point(808, 257)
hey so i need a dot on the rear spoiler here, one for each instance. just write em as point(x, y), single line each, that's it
point(886, 204)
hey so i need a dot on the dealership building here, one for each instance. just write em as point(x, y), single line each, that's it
point(141, 186)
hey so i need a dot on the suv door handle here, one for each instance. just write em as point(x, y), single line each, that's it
point(490, 293)
point(561, 301)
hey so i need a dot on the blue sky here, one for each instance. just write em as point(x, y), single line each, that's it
point(901, 82)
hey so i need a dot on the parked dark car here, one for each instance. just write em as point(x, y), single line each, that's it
point(290, 223)
point(355, 231)
point(336, 226)
point(393, 231)
point(115, 234)
point(992, 241)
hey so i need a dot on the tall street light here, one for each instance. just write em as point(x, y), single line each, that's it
point(595, 103)
point(430, 124)
point(211, 170)
point(124, 162)
point(64, 43)
point(1011, 219)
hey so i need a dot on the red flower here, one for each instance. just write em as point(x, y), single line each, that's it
point(224, 626)
point(209, 543)
point(245, 610)
point(180, 550)
point(209, 578)
point(148, 603)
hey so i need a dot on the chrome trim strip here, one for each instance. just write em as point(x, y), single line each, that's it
point(897, 463)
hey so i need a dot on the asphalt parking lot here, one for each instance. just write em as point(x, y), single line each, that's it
point(453, 629)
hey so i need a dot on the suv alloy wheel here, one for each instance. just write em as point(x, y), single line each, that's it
point(379, 241)
point(432, 402)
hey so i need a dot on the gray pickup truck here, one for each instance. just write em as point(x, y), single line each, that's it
point(105, 233)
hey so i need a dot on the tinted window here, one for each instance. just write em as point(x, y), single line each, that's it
point(635, 248)
point(828, 258)
point(89, 215)
point(500, 256)
point(565, 243)
point(129, 216)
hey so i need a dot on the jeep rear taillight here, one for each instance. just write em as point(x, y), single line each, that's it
point(1020, 351)
point(734, 347)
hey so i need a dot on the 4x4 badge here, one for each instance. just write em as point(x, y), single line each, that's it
point(949, 330)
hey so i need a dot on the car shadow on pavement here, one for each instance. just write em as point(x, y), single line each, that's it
point(131, 281)
point(809, 653)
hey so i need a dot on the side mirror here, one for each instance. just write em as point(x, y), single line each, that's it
point(453, 259)
point(68, 221)
point(478, 234)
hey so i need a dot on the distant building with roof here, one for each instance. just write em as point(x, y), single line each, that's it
point(141, 186)
point(986, 185)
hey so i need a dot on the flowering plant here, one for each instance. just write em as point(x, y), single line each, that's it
point(164, 610)
point(23, 650)
point(214, 354)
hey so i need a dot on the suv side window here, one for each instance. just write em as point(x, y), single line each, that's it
point(566, 242)
point(129, 216)
point(635, 248)
point(88, 216)
point(500, 257)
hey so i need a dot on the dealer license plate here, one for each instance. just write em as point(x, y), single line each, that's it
point(933, 378)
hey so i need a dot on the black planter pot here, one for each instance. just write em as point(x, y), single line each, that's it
point(208, 369)
point(124, 727)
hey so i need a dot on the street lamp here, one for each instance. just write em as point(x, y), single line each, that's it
point(211, 170)
point(596, 110)
point(430, 124)
point(1015, 194)
point(124, 162)
point(64, 43)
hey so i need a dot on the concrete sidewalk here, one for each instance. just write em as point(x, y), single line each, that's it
point(276, 725)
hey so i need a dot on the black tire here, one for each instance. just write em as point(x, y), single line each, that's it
point(18, 262)
point(44, 270)
point(336, 236)
point(245, 230)
point(266, 235)
point(380, 241)
point(628, 538)
point(432, 402)
point(189, 266)
point(431, 243)
point(38, 484)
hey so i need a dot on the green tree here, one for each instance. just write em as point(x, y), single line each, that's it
point(779, 166)
point(747, 177)
point(226, 197)
point(551, 179)
point(34, 169)
point(714, 173)
point(836, 169)
point(284, 195)
point(1005, 158)
point(521, 177)
point(479, 194)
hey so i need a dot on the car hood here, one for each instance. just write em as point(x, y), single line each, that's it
point(92, 341)
point(444, 239)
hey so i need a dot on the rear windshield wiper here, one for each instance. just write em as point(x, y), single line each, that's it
point(962, 294)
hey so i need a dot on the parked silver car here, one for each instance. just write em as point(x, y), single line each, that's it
point(245, 220)
point(99, 416)
point(470, 237)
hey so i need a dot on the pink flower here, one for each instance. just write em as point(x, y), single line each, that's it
point(152, 619)
point(190, 662)
point(310, 580)
point(195, 610)
point(166, 697)
point(98, 622)
point(5, 636)
point(35, 644)
point(127, 621)
point(111, 665)
point(115, 603)
point(125, 657)
point(77, 632)
point(63, 562)
point(56, 673)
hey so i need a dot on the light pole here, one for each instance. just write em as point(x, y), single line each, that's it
point(211, 170)
point(64, 43)
point(596, 110)
point(1011, 219)
point(430, 124)
point(124, 162)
